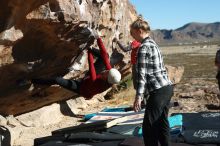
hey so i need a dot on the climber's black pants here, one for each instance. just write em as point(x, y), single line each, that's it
point(155, 124)
point(72, 85)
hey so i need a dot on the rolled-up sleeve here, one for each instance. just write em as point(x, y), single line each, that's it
point(142, 61)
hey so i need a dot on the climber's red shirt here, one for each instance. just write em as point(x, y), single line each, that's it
point(89, 88)
point(94, 84)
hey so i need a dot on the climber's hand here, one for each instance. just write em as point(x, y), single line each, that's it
point(120, 36)
point(94, 33)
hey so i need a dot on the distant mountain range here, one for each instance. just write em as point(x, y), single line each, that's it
point(189, 33)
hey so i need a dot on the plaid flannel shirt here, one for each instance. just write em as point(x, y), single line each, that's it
point(151, 72)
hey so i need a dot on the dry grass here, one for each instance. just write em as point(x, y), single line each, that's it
point(198, 61)
point(124, 98)
point(198, 66)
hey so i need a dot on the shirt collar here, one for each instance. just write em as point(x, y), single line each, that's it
point(145, 39)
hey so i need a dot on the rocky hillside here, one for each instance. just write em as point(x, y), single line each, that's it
point(189, 33)
point(42, 38)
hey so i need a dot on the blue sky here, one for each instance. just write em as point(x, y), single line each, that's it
point(172, 14)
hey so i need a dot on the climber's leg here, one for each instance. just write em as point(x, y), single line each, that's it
point(72, 85)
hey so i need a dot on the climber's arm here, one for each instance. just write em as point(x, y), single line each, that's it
point(123, 47)
point(92, 71)
point(104, 54)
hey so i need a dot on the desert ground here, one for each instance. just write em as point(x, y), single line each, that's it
point(198, 60)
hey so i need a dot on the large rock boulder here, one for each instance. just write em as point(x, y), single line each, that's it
point(42, 38)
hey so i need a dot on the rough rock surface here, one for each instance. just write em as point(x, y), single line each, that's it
point(41, 38)
point(175, 73)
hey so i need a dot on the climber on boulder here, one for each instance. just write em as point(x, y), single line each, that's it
point(92, 83)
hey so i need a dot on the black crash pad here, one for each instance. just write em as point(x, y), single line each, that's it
point(202, 120)
point(204, 136)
